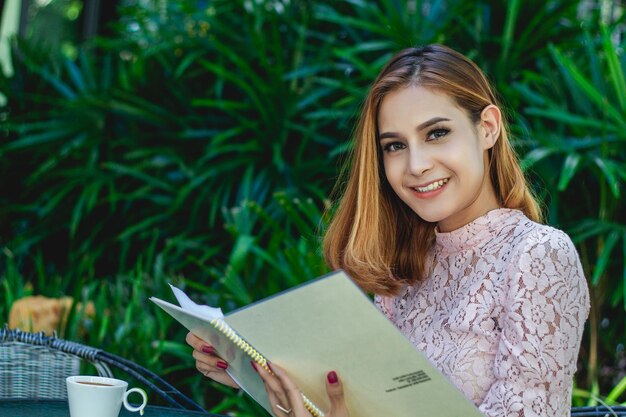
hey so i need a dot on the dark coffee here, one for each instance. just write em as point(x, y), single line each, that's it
point(94, 383)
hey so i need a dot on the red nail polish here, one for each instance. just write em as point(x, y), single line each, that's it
point(254, 366)
point(222, 365)
point(332, 377)
point(209, 349)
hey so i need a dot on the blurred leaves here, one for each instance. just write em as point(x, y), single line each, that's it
point(199, 144)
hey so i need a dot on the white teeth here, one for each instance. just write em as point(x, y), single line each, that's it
point(432, 186)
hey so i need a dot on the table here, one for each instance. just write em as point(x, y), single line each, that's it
point(59, 408)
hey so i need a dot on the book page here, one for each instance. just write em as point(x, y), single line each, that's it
point(329, 324)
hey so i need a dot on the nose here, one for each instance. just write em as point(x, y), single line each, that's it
point(419, 161)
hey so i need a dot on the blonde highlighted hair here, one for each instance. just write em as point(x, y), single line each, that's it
point(373, 235)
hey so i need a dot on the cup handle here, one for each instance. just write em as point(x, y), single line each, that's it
point(139, 408)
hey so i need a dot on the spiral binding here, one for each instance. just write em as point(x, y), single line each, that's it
point(257, 358)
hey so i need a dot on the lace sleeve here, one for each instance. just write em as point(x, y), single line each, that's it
point(546, 307)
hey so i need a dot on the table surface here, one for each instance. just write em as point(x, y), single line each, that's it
point(59, 408)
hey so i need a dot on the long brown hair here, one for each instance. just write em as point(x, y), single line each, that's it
point(374, 236)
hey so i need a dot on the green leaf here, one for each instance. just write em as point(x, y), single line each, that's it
point(512, 12)
point(143, 225)
point(186, 63)
point(572, 119)
point(530, 95)
point(305, 72)
point(607, 169)
point(232, 280)
point(329, 15)
point(570, 69)
point(219, 104)
point(59, 85)
point(616, 392)
point(624, 270)
point(75, 75)
point(605, 255)
point(135, 173)
point(77, 214)
point(570, 166)
point(241, 83)
point(590, 227)
point(534, 156)
point(177, 349)
point(615, 70)
point(87, 70)
point(34, 140)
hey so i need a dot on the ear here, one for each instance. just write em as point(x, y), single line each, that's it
point(490, 126)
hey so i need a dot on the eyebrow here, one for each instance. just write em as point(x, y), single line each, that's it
point(422, 126)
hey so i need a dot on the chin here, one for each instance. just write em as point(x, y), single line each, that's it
point(430, 217)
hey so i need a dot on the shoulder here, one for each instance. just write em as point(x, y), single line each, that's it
point(523, 236)
point(548, 263)
point(522, 239)
point(543, 243)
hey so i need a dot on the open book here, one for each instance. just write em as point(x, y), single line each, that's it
point(326, 324)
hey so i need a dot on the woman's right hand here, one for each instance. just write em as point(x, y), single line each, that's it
point(207, 361)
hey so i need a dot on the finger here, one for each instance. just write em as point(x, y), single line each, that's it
point(293, 392)
point(198, 344)
point(193, 341)
point(334, 389)
point(216, 375)
point(275, 391)
point(208, 363)
point(213, 362)
point(214, 368)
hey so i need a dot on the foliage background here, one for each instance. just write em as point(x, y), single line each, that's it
point(199, 143)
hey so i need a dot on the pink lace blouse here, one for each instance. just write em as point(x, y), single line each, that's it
point(501, 314)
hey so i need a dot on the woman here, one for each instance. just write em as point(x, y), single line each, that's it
point(438, 221)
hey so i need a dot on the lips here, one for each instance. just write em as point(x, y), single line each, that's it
point(435, 185)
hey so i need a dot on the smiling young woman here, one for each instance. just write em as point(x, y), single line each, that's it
point(373, 234)
point(438, 222)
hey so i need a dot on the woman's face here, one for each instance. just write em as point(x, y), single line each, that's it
point(435, 157)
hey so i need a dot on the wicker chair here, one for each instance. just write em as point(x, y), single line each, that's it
point(33, 365)
point(599, 411)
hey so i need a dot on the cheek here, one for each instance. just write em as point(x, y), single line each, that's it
point(465, 160)
point(393, 170)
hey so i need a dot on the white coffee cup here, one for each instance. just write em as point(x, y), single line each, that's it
point(96, 396)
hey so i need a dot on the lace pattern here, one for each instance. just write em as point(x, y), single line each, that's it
point(501, 314)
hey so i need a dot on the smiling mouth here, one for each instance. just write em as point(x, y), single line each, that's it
point(432, 186)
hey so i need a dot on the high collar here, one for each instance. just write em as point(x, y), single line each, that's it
point(478, 232)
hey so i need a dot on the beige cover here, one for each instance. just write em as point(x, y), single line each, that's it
point(330, 324)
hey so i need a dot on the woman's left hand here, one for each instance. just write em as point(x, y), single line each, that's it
point(286, 399)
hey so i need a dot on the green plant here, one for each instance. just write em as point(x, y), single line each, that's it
point(579, 150)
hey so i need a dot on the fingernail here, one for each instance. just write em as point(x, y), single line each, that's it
point(254, 366)
point(270, 367)
point(222, 365)
point(332, 377)
point(209, 349)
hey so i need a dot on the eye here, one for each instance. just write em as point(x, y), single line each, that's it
point(393, 146)
point(437, 134)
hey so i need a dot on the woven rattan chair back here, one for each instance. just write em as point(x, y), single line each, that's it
point(33, 371)
point(33, 365)
point(599, 411)
point(31, 368)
